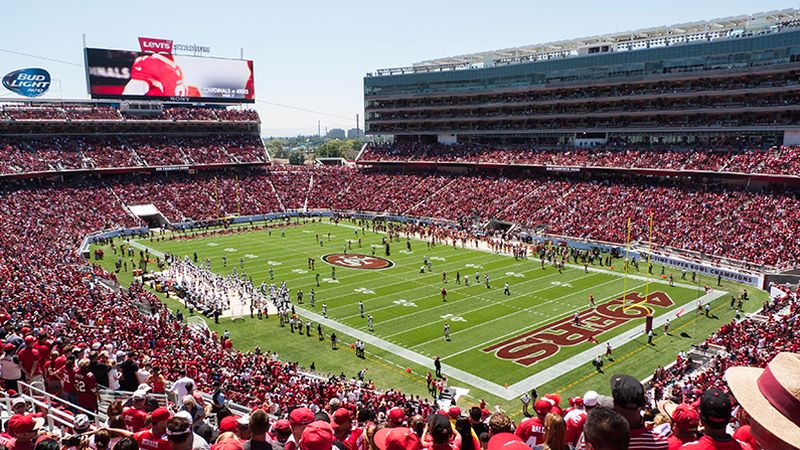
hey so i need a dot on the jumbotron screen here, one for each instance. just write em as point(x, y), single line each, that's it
point(122, 74)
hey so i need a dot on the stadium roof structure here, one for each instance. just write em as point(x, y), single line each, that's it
point(663, 36)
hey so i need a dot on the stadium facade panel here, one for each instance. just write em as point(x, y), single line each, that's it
point(736, 84)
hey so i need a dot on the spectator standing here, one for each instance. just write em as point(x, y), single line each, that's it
point(129, 382)
point(629, 400)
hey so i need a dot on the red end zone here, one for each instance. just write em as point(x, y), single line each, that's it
point(542, 343)
point(356, 261)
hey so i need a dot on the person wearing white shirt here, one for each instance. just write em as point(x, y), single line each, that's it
point(180, 386)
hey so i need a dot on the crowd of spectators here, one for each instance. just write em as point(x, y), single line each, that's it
point(73, 152)
point(784, 160)
point(753, 227)
point(54, 304)
point(90, 112)
point(752, 341)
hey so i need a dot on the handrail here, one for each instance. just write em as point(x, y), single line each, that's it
point(45, 401)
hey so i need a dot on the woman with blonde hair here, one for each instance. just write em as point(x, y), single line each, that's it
point(555, 434)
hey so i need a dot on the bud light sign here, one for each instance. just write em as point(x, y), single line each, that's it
point(28, 82)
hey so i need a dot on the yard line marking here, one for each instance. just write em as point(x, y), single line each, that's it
point(488, 305)
point(469, 297)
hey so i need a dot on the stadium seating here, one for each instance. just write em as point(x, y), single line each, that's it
point(780, 160)
point(23, 155)
point(79, 112)
point(43, 224)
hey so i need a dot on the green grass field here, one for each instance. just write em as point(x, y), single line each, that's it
point(408, 309)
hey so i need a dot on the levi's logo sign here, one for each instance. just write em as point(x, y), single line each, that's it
point(155, 45)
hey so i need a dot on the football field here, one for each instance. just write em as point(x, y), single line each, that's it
point(501, 343)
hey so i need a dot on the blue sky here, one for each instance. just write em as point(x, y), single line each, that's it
point(313, 54)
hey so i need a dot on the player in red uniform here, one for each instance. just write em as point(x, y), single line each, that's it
point(85, 386)
point(158, 75)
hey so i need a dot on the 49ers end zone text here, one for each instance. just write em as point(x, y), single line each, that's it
point(544, 342)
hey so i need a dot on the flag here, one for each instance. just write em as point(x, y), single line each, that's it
point(679, 312)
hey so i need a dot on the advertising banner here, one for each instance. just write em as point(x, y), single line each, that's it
point(32, 82)
point(121, 74)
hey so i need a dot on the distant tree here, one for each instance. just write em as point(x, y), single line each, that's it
point(276, 149)
point(297, 158)
point(331, 149)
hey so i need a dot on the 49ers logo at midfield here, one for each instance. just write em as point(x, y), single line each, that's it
point(356, 261)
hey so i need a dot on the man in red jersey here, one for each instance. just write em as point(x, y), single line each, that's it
point(158, 75)
point(153, 438)
point(715, 413)
point(85, 386)
point(29, 361)
point(344, 431)
point(135, 416)
point(531, 430)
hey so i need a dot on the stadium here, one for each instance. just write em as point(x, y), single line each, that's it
point(520, 227)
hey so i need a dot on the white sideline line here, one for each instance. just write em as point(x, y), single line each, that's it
point(478, 382)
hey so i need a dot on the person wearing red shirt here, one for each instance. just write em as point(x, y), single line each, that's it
point(344, 430)
point(715, 413)
point(531, 430)
point(154, 438)
point(22, 431)
point(158, 75)
point(85, 386)
point(43, 347)
point(135, 416)
point(575, 421)
point(29, 360)
point(685, 420)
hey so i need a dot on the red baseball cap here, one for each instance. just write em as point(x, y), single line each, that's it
point(454, 412)
point(283, 426)
point(507, 441)
point(398, 438)
point(160, 415)
point(317, 436)
point(577, 401)
point(396, 416)
point(543, 406)
point(24, 424)
point(341, 416)
point(9, 347)
point(29, 339)
point(228, 423)
point(300, 417)
point(686, 417)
